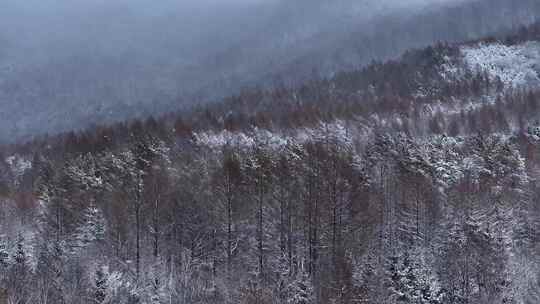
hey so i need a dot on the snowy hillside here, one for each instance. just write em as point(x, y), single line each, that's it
point(516, 66)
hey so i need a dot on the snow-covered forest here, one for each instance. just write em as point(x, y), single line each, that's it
point(410, 181)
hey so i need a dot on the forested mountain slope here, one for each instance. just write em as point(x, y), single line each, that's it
point(410, 181)
point(61, 70)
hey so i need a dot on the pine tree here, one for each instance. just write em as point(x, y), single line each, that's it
point(301, 289)
point(157, 278)
point(4, 254)
point(19, 273)
point(20, 255)
point(409, 282)
point(50, 270)
point(100, 288)
point(92, 228)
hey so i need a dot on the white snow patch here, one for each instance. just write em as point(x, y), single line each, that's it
point(217, 140)
point(18, 166)
point(516, 66)
point(449, 70)
point(336, 132)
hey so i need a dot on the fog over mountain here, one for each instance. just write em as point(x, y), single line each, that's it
point(67, 64)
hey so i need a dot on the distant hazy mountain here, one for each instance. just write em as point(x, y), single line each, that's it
point(67, 64)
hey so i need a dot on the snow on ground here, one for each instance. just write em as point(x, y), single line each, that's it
point(516, 66)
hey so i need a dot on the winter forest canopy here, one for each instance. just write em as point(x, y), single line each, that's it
point(410, 180)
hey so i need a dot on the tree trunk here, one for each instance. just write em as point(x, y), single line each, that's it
point(229, 229)
point(260, 232)
point(156, 227)
point(138, 240)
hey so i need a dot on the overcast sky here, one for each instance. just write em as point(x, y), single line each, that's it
point(37, 28)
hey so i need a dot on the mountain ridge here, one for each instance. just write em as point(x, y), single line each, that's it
point(99, 95)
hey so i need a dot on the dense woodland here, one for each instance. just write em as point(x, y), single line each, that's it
point(380, 185)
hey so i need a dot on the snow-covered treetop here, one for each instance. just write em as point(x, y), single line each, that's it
point(18, 165)
point(516, 66)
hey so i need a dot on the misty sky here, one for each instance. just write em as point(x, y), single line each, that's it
point(186, 34)
point(48, 28)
